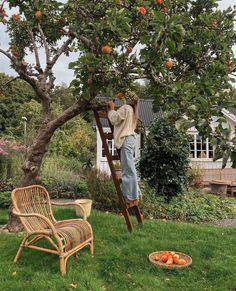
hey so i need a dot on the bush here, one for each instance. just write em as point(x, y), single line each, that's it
point(11, 156)
point(193, 206)
point(60, 178)
point(164, 160)
point(102, 191)
point(5, 199)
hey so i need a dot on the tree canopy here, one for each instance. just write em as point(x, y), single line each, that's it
point(181, 48)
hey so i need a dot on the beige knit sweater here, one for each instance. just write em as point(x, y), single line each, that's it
point(122, 119)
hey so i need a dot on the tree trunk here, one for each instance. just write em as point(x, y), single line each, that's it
point(37, 150)
point(13, 224)
point(31, 167)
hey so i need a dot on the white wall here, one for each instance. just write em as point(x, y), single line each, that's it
point(102, 163)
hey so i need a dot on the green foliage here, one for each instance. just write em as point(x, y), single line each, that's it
point(12, 96)
point(194, 38)
point(164, 160)
point(193, 206)
point(10, 165)
point(5, 199)
point(62, 177)
point(75, 139)
point(102, 191)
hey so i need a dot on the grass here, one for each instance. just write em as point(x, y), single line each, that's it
point(120, 261)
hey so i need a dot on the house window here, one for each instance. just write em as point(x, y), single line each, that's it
point(112, 148)
point(200, 148)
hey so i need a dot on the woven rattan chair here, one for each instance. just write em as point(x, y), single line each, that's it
point(32, 205)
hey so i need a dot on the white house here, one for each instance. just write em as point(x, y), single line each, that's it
point(201, 151)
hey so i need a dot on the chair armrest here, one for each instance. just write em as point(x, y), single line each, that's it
point(45, 219)
point(70, 204)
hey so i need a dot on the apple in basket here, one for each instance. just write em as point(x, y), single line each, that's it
point(170, 258)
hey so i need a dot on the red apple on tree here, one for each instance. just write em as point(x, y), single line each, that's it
point(38, 14)
point(159, 2)
point(168, 63)
point(106, 49)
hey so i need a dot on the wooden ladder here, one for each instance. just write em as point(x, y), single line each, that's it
point(98, 114)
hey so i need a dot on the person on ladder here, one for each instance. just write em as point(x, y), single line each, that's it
point(125, 121)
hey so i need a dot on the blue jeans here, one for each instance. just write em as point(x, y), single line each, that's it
point(129, 186)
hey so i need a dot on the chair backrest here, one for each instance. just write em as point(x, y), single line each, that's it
point(33, 199)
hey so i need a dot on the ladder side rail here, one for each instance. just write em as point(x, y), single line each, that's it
point(112, 169)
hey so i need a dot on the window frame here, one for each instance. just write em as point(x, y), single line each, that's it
point(209, 148)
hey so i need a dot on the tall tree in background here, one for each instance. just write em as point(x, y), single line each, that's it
point(11, 97)
point(183, 49)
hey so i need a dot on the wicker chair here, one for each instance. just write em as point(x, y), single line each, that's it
point(32, 205)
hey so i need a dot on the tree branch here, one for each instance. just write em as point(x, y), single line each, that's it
point(38, 65)
point(8, 82)
point(61, 50)
point(8, 55)
point(69, 113)
point(47, 51)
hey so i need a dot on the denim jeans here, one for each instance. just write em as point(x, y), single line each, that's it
point(129, 186)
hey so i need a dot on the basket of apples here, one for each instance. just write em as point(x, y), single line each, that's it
point(170, 259)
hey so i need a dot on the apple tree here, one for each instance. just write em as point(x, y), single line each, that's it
point(182, 48)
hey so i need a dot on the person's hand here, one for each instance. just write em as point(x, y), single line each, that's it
point(111, 105)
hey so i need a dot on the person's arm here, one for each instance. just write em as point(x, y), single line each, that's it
point(115, 117)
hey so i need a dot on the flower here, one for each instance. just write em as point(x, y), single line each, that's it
point(2, 152)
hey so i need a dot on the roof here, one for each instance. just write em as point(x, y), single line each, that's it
point(232, 110)
point(146, 114)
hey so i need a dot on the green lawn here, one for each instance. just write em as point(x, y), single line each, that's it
point(121, 259)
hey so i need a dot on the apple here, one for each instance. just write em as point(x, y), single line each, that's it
point(16, 17)
point(120, 95)
point(168, 63)
point(38, 14)
point(159, 2)
point(181, 262)
point(176, 259)
point(106, 49)
point(170, 260)
point(129, 49)
point(142, 10)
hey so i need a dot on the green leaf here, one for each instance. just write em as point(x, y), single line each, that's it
point(233, 159)
point(217, 154)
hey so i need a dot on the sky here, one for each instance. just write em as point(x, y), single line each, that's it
point(62, 73)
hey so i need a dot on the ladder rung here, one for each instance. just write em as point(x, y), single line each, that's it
point(102, 114)
point(108, 135)
point(115, 157)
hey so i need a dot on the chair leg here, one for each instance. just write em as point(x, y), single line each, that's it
point(20, 250)
point(62, 266)
point(91, 248)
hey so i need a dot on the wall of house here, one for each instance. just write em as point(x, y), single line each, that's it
point(211, 170)
point(102, 163)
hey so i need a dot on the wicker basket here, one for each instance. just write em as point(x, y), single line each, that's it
point(187, 258)
point(87, 205)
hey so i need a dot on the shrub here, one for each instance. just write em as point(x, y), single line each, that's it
point(102, 191)
point(5, 199)
point(164, 160)
point(59, 176)
point(11, 156)
point(195, 175)
point(75, 139)
point(194, 206)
